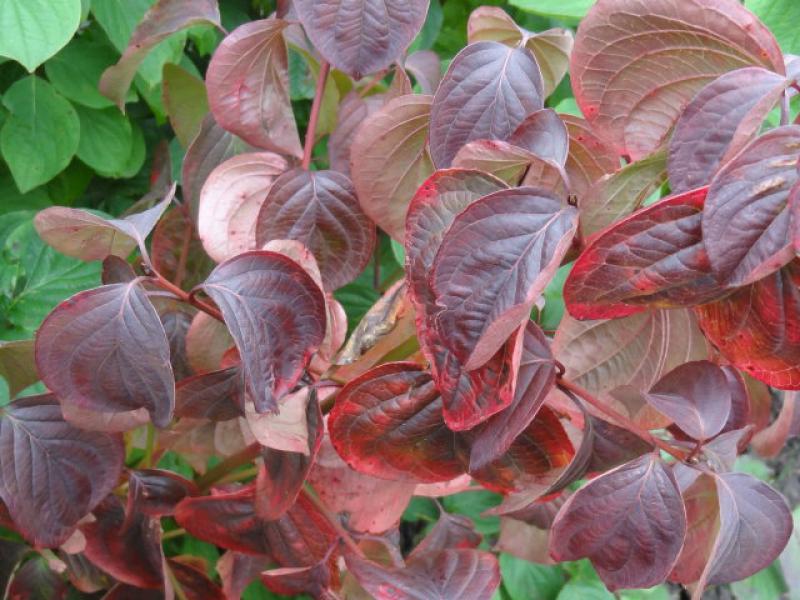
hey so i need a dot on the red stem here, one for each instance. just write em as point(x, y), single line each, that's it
point(167, 285)
point(311, 132)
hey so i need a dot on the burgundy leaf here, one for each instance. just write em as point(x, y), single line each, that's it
point(105, 350)
point(439, 576)
point(493, 263)
point(486, 93)
point(451, 532)
point(746, 217)
point(612, 446)
point(656, 257)
point(503, 160)
point(207, 342)
point(537, 373)
point(757, 328)
point(426, 68)
point(702, 520)
point(544, 134)
point(51, 473)
point(718, 122)
point(636, 64)
point(156, 492)
point(276, 315)
point(93, 420)
point(35, 580)
point(176, 250)
point(194, 583)
point(116, 270)
point(630, 523)
point(313, 580)
point(123, 591)
point(159, 22)
point(740, 415)
point(218, 395)
point(353, 111)
point(361, 37)
point(230, 200)
point(248, 87)
point(589, 157)
point(237, 571)
point(388, 423)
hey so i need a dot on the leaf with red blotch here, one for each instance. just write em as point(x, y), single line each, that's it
point(589, 159)
point(746, 215)
point(501, 159)
point(283, 473)
point(353, 111)
point(695, 396)
point(210, 148)
point(35, 580)
point(493, 263)
point(388, 423)
point(486, 93)
point(616, 195)
point(436, 576)
point(361, 37)
point(176, 250)
point(248, 87)
point(544, 134)
point(757, 328)
point(276, 315)
point(426, 68)
point(718, 122)
point(238, 570)
point(51, 473)
point(636, 65)
point(105, 349)
point(218, 395)
point(299, 538)
point(321, 210)
point(83, 235)
point(159, 22)
point(126, 546)
point(630, 523)
point(535, 379)
point(156, 492)
point(655, 257)
point(230, 200)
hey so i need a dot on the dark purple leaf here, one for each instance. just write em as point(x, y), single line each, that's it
point(11, 553)
point(51, 473)
point(739, 416)
point(718, 122)
point(155, 492)
point(544, 134)
point(426, 68)
point(486, 93)
point(612, 446)
point(194, 582)
point(503, 160)
point(105, 350)
point(35, 580)
point(176, 250)
point(361, 37)
point(353, 111)
point(276, 315)
point(237, 571)
point(176, 320)
point(630, 523)
point(493, 263)
point(451, 532)
point(746, 217)
point(248, 87)
point(218, 395)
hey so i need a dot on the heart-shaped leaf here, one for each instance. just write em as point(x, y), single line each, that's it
point(319, 209)
point(361, 37)
point(718, 122)
point(630, 523)
point(51, 473)
point(746, 215)
point(635, 66)
point(486, 93)
point(230, 200)
point(37, 29)
point(248, 87)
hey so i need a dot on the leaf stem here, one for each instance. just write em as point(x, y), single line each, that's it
point(619, 418)
point(224, 468)
point(311, 131)
point(312, 495)
point(173, 289)
point(173, 533)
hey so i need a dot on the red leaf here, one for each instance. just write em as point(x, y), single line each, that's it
point(51, 473)
point(746, 216)
point(589, 157)
point(195, 583)
point(630, 522)
point(361, 37)
point(218, 395)
point(486, 93)
point(248, 87)
point(636, 65)
point(176, 250)
point(313, 580)
point(320, 210)
point(237, 571)
point(276, 315)
point(105, 349)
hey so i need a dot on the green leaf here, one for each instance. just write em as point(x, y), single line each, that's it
point(764, 585)
point(185, 101)
point(430, 29)
point(75, 71)
point(106, 140)
point(34, 30)
point(660, 592)
point(472, 504)
point(747, 463)
point(568, 106)
point(521, 577)
point(356, 298)
point(12, 200)
point(782, 17)
point(70, 184)
point(585, 590)
point(41, 277)
point(790, 559)
point(41, 133)
point(138, 153)
point(564, 9)
point(553, 310)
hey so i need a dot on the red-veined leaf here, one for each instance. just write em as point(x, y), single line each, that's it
point(636, 64)
point(248, 87)
point(746, 215)
point(319, 209)
point(361, 37)
point(276, 315)
point(105, 350)
point(630, 523)
point(230, 200)
point(51, 473)
point(589, 157)
point(486, 93)
point(718, 122)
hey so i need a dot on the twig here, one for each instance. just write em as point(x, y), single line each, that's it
point(217, 473)
point(311, 131)
point(167, 285)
